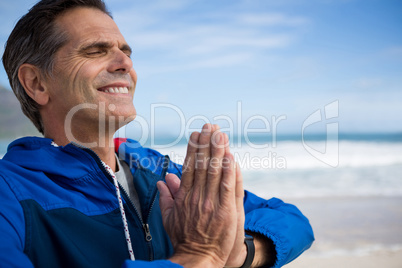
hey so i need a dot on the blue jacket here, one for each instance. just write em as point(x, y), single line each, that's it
point(58, 208)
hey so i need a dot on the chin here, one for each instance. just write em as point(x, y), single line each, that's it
point(121, 120)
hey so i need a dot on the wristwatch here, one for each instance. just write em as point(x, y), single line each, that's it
point(249, 241)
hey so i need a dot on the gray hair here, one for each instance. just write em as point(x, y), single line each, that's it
point(35, 39)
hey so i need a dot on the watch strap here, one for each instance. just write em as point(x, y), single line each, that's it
point(249, 241)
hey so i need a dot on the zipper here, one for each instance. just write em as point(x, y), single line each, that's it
point(163, 175)
point(148, 235)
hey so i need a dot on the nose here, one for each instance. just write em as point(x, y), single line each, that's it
point(120, 62)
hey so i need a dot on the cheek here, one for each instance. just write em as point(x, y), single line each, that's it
point(133, 75)
point(74, 70)
point(78, 77)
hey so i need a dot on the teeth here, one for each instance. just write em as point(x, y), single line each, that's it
point(123, 90)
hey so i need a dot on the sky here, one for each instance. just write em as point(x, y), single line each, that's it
point(258, 65)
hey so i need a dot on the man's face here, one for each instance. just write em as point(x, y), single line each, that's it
point(93, 67)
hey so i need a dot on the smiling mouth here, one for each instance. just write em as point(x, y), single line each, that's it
point(123, 90)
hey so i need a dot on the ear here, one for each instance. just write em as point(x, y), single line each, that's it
point(31, 79)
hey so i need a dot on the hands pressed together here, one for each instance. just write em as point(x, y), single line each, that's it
point(203, 213)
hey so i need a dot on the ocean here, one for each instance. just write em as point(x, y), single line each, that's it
point(353, 165)
point(288, 167)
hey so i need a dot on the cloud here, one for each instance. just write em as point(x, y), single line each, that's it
point(224, 60)
point(272, 19)
point(206, 40)
point(247, 42)
point(150, 68)
point(209, 37)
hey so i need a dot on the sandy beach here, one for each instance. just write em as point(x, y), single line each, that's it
point(353, 232)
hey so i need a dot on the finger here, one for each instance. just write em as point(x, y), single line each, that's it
point(239, 186)
point(166, 200)
point(202, 161)
point(226, 143)
point(227, 152)
point(239, 204)
point(215, 165)
point(173, 183)
point(215, 131)
point(238, 258)
point(228, 181)
point(187, 178)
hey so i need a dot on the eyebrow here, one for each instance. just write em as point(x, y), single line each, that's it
point(104, 45)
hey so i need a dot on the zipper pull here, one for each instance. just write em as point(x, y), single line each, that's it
point(148, 235)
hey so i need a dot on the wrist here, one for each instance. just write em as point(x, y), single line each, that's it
point(239, 259)
point(196, 260)
point(189, 261)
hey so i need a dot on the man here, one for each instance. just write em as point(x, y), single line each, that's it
point(64, 204)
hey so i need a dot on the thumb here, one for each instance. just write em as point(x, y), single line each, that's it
point(166, 200)
point(173, 183)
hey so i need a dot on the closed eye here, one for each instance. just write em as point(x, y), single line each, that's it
point(93, 52)
point(95, 49)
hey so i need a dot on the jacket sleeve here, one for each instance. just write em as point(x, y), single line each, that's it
point(283, 223)
point(12, 227)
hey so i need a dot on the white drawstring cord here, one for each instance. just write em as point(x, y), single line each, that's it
point(123, 214)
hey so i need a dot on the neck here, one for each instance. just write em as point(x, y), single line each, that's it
point(107, 154)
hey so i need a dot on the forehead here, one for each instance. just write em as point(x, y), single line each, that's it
point(85, 24)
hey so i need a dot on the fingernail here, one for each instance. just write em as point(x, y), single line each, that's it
point(206, 129)
point(194, 138)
